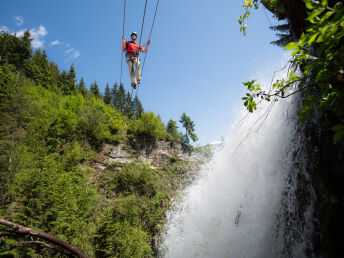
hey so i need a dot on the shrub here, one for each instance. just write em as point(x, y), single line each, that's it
point(147, 130)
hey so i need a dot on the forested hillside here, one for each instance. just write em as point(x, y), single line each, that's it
point(51, 129)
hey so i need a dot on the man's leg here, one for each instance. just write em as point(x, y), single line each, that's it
point(138, 69)
point(131, 70)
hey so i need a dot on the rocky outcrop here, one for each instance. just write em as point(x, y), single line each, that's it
point(154, 156)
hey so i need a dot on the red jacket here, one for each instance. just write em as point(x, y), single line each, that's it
point(131, 48)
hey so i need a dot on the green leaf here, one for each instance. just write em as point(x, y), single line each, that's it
point(313, 38)
point(315, 13)
point(339, 132)
point(311, 4)
point(337, 6)
point(291, 45)
point(326, 16)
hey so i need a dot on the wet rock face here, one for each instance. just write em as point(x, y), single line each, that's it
point(325, 159)
point(326, 169)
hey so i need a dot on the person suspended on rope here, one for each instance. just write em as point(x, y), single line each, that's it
point(132, 56)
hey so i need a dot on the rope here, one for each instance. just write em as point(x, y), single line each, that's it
point(137, 90)
point(120, 80)
point(143, 21)
point(267, 16)
point(138, 49)
point(150, 34)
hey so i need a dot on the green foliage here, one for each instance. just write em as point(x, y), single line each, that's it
point(122, 101)
point(54, 197)
point(320, 54)
point(119, 97)
point(172, 129)
point(15, 51)
point(140, 180)
point(94, 90)
point(82, 88)
point(137, 212)
point(248, 4)
point(189, 126)
point(107, 95)
point(14, 106)
point(249, 102)
point(119, 239)
point(138, 109)
point(147, 130)
point(284, 35)
point(39, 70)
point(177, 172)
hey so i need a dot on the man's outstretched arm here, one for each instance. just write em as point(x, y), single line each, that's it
point(123, 44)
point(146, 48)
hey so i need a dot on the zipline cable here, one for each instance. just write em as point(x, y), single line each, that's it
point(120, 80)
point(150, 34)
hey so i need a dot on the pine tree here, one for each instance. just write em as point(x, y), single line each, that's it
point(107, 95)
point(114, 95)
point(55, 72)
point(128, 106)
point(63, 82)
point(15, 51)
point(40, 71)
point(138, 109)
point(284, 37)
point(189, 126)
point(71, 87)
point(94, 90)
point(121, 98)
point(14, 107)
point(82, 88)
point(172, 129)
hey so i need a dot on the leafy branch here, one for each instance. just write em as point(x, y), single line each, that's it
point(248, 4)
point(319, 53)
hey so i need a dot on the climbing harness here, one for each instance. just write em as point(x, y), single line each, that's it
point(138, 49)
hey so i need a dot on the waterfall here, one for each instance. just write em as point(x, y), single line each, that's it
point(248, 201)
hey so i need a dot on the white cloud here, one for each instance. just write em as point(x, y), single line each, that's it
point(19, 20)
point(56, 42)
point(4, 28)
point(20, 33)
point(37, 36)
point(72, 54)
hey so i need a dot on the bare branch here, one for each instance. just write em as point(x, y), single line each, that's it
point(55, 248)
point(20, 229)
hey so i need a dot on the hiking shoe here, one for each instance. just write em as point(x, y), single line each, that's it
point(133, 85)
point(138, 81)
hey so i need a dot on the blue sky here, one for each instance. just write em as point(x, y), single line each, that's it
point(196, 62)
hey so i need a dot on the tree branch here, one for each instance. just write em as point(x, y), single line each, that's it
point(56, 248)
point(289, 83)
point(20, 229)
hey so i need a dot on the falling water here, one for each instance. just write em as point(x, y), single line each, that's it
point(247, 201)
